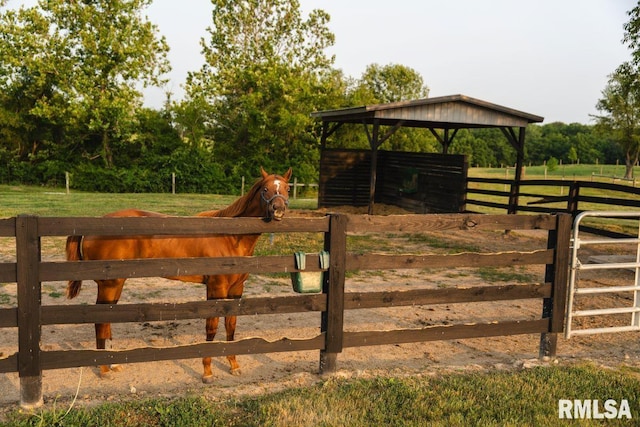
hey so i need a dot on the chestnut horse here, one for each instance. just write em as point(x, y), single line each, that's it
point(267, 198)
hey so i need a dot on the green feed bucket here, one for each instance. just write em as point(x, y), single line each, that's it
point(306, 282)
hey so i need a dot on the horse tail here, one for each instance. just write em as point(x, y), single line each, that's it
point(74, 253)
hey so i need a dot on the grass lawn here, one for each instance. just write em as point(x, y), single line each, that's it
point(528, 397)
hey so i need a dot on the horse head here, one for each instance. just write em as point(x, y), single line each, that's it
point(275, 194)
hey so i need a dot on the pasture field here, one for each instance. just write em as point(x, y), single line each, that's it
point(586, 172)
point(467, 382)
point(15, 200)
point(543, 195)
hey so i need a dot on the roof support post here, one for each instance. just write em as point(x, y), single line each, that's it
point(518, 144)
point(445, 140)
point(374, 143)
point(327, 132)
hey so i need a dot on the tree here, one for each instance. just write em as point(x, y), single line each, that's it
point(265, 71)
point(391, 83)
point(620, 103)
point(82, 62)
point(382, 84)
point(34, 108)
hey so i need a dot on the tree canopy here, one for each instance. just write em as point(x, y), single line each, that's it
point(265, 70)
point(71, 75)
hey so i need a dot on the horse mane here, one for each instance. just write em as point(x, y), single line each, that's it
point(238, 207)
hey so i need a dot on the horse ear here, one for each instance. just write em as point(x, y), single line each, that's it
point(287, 174)
point(264, 173)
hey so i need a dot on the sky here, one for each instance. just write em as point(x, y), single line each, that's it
point(551, 58)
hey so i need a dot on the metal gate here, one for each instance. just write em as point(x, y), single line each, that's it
point(627, 281)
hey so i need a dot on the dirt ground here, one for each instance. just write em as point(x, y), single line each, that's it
point(263, 373)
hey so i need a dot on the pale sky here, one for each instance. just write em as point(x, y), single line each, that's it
point(546, 57)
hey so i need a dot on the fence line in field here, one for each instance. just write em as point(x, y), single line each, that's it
point(29, 271)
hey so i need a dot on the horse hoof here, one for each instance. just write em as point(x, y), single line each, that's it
point(208, 379)
point(116, 368)
point(235, 372)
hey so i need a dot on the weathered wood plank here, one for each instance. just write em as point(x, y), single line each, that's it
point(447, 332)
point(8, 317)
point(371, 261)
point(73, 358)
point(9, 363)
point(29, 300)
point(441, 222)
point(332, 320)
point(7, 227)
point(63, 226)
point(8, 272)
point(171, 267)
point(119, 313)
point(356, 300)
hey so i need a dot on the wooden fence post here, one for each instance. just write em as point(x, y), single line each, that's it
point(29, 301)
point(514, 189)
point(333, 318)
point(572, 198)
point(558, 274)
point(295, 188)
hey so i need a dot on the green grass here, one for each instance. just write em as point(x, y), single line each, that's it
point(51, 202)
point(569, 173)
point(497, 398)
point(585, 172)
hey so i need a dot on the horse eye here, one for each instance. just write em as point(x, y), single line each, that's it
point(265, 189)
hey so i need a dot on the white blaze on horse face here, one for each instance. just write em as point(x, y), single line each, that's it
point(277, 183)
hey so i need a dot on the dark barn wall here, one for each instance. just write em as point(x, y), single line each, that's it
point(418, 182)
point(344, 178)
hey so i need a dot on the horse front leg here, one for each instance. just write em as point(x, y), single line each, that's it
point(222, 287)
point(212, 329)
point(109, 292)
point(230, 327)
point(103, 333)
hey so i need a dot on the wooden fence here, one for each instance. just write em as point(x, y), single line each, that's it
point(552, 196)
point(417, 182)
point(29, 271)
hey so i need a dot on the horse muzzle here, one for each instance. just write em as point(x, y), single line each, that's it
point(276, 206)
point(277, 213)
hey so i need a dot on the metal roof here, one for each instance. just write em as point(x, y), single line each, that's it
point(444, 112)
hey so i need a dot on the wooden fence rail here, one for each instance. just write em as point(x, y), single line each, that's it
point(29, 271)
point(551, 196)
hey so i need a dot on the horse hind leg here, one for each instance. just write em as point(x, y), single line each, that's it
point(109, 292)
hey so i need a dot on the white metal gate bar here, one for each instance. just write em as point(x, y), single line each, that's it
point(576, 266)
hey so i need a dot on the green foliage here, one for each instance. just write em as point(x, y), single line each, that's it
point(552, 164)
point(620, 104)
point(70, 75)
point(265, 72)
point(390, 83)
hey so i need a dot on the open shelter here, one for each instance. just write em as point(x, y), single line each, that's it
point(443, 116)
